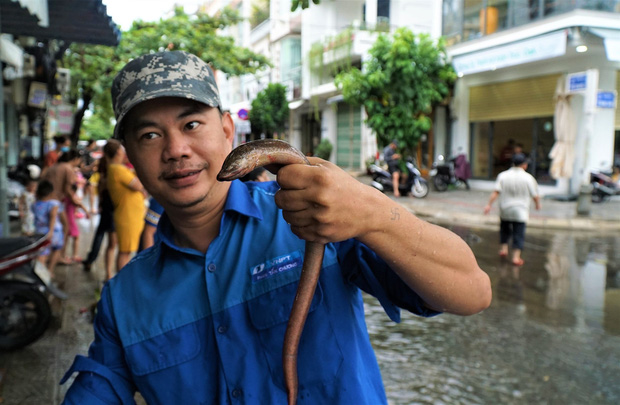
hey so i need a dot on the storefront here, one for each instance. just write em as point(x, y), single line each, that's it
point(510, 115)
point(505, 98)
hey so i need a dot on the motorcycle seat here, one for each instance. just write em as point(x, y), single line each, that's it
point(10, 246)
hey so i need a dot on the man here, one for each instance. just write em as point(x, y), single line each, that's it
point(200, 316)
point(514, 187)
point(391, 158)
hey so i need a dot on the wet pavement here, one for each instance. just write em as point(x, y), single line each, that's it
point(551, 335)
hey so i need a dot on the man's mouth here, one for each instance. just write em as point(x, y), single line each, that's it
point(180, 174)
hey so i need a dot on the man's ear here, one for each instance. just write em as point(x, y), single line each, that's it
point(228, 126)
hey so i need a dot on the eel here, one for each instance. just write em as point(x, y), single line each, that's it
point(274, 154)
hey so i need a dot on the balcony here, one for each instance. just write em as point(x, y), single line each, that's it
point(472, 19)
point(334, 53)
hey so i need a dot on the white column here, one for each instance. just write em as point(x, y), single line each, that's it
point(371, 12)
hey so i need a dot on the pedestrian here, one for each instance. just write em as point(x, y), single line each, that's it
point(88, 168)
point(26, 199)
point(105, 226)
point(63, 177)
point(47, 222)
point(391, 158)
point(150, 224)
point(61, 144)
point(200, 316)
point(127, 194)
point(514, 188)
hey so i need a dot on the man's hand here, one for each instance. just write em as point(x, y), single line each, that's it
point(322, 202)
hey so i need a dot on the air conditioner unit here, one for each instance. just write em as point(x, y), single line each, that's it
point(63, 80)
point(30, 64)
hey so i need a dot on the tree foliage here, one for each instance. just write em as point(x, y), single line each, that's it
point(270, 110)
point(295, 4)
point(93, 67)
point(405, 78)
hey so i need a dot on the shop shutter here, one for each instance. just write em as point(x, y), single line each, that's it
point(349, 136)
point(525, 98)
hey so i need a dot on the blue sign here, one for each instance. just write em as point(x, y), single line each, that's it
point(577, 82)
point(606, 99)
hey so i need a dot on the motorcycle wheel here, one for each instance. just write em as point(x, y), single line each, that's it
point(25, 314)
point(439, 183)
point(419, 190)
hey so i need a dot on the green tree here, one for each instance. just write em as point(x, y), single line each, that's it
point(405, 78)
point(295, 4)
point(93, 67)
point(270, 110)
point(259, 13)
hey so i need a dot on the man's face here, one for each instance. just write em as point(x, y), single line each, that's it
point(177, 147)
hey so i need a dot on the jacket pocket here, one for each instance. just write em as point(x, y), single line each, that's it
point(319, 355)
point(166, 350)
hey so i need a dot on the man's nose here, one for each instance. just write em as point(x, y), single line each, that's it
point(176, 146)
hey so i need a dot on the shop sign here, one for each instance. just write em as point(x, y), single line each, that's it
point(606, 99)
point(531, 50)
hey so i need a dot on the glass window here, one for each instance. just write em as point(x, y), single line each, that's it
point(494, 143)
point(452, 18)
point(471, 19)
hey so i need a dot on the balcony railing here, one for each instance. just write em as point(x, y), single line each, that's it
point(464, 20)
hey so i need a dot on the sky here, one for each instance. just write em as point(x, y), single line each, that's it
point(124, 12)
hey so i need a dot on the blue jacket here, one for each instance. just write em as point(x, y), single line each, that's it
point(183, 327)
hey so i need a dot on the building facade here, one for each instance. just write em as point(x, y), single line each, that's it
point(512, 58)
point(307, 49)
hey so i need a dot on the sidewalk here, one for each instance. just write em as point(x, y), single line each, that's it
point(465, 207)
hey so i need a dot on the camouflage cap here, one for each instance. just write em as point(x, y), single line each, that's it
point(162, 74)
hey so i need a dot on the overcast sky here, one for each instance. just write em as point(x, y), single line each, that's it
point(123, 12)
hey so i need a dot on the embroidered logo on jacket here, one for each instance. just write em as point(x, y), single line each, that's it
point(276, 266)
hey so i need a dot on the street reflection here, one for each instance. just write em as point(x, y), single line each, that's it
point(551, 335)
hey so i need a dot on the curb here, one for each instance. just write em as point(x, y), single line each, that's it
point(583, 224)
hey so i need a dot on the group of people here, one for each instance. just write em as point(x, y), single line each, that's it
point(52, 201)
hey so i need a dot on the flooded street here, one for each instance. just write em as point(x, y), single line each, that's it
point(551, 335)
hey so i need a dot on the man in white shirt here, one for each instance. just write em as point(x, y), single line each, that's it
point(514, 187)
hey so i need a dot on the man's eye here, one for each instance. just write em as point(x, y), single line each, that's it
point(192, 125)
point(148, 135)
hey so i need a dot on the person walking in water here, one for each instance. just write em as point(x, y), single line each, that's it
point(515, 188)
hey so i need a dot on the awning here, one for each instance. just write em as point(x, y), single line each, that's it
point(11, 53)
point(611, 39)
point(82, 21)
point(37, 8)
point(293, 105)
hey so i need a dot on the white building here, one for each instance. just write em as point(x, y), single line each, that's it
point(510, 55)
point(306, 48)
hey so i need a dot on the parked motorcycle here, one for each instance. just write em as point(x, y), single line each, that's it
point(414, 182)
point(603, 187)
point(453, 172)
point(25, 286)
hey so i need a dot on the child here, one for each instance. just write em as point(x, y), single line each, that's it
point(26, 199)
point(46, 222)
point(72, 231)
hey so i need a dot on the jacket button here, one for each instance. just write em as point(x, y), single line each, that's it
point(222, 329)
point(211, 267)
point(236, 393)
